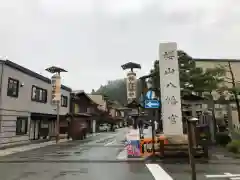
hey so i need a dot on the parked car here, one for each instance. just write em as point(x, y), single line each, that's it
point(104, 127)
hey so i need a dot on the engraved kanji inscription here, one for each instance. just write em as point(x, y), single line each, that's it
point(173, 118)
point(171, 85)
point(169, 71)
point(169, 55)
point(171, 100)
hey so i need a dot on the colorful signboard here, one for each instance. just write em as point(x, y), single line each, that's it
point(133, 148)
point(133, 143)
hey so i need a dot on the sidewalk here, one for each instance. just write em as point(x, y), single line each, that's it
point(31, 146)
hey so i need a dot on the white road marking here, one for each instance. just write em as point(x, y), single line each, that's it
point(158, 172)
point(122, 155)
point(225, 175)
point(110, 143)
point(102, 139)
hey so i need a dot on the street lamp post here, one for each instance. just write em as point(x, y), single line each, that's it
point(56, 94)
point(192, 145)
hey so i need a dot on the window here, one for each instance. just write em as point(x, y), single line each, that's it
point(39, 94)
point(21, 125)
point(64, 101)
point(82, 109)
point(13, 87)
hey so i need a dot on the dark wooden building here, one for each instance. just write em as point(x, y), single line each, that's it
point(82, 105)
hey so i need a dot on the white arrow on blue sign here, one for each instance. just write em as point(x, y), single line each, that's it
point(152, 104)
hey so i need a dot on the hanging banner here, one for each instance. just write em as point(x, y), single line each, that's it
point(56, 88)
point(170, 89)
point(131, 86)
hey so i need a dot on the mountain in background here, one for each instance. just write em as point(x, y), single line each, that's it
point(116, 90)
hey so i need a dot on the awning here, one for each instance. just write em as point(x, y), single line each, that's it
point(78, 115)
point(41, 116)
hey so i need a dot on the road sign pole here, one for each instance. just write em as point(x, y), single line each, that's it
point(153, 132)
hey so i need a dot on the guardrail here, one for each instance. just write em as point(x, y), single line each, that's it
point(164, 149)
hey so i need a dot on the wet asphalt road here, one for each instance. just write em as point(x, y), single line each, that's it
point(96, 159)
point(91, 159)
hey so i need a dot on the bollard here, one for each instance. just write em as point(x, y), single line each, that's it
point(205, 148)
point(191, 148)
point(162, 147)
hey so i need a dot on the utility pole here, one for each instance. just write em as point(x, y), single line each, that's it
point(56, 95)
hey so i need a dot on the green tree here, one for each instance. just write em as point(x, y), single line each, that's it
point(192, 78)
point(116, 90)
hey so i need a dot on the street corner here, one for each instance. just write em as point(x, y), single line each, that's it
point(173, 172)
point(182, 171)
point(178, 172)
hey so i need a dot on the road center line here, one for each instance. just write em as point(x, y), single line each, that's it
point(158, 172)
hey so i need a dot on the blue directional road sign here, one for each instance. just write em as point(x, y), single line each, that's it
point(149, 94)
point(152, 104)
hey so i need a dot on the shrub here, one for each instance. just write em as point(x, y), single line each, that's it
point(234, 146)
point(222, 138)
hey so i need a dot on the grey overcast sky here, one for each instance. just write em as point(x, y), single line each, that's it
point(92, 38)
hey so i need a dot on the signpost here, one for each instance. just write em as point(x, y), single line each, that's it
point(150, 94)
point(151, 103)
point(170, 89)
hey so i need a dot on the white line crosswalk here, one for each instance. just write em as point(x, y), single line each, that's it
point(158, 172)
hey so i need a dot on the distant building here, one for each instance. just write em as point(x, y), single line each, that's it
point(99, 99)
point(235, 65)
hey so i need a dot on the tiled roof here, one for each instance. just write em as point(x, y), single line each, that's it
point(31, 73)
point(97, 98)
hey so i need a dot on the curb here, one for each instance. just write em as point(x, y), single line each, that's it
point(23, 148)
